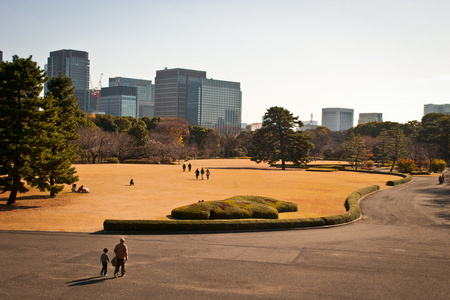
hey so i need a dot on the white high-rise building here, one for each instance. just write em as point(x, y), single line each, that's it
point(337, 119)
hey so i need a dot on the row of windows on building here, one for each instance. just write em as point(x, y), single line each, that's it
point(219, 102)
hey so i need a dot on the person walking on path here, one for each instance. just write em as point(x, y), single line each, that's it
point(189, 167)
point(207, 174)
point(104, 260)
point(131, 182)
point(197, 172)
point(184, 167)
point(202, 172)
point(121, 251)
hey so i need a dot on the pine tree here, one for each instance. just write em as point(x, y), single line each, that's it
point(383, 147)
point(355, 150)
point(397, 146)
point(277, 140)
point(61, 107)
point(23, 126)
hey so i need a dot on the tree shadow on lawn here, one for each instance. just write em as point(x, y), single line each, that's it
point(5, 207)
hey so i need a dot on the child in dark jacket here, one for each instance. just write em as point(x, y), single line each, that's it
point(104, 260)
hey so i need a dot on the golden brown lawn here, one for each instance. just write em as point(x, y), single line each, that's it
point(160, 188)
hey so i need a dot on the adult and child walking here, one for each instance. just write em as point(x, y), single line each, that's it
point(121, 254)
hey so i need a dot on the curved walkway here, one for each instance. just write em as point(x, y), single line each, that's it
point(399, 250)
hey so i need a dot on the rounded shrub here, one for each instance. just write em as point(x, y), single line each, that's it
point(406, 165)
point(238, 207)
point(438, 165)
point(112, 160)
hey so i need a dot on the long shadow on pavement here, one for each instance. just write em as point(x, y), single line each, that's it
point(90, 280)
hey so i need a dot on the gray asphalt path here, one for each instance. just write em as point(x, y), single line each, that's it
point(399, 250)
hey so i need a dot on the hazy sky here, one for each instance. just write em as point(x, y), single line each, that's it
point(388, 56)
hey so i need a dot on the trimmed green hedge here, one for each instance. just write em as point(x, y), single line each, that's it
point(321, 170)
point(353, 212)
point(352, 205)
point(206, 225)
point(325, 166)
point(420, 173)
point(406, 178)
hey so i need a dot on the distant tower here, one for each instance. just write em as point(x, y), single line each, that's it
point(1, 55)
point(171, 91)
point(73, 64)
point(337, 119)
point(436, 108)
point(119, 101)
point(214, 103)
point(145, 101)
point(370, 117)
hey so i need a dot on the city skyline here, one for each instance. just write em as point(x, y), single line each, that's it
point(389, 57)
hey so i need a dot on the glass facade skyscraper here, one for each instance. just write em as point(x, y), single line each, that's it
point(118, 101)
point(436, 108)
point(73, 64)
point(145, 99)
point(171, 87)
point(214, 103)
point(370, 117)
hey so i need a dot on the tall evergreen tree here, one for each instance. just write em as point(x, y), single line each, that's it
point(383, 148)
point(397, 146)
point(277, 140)
point(355, 150)
point(23, 126)
point(61, 107)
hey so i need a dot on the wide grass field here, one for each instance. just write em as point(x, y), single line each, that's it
point(160, 188)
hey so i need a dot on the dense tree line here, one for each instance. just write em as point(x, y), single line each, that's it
point(387, 142)
point(160, 140)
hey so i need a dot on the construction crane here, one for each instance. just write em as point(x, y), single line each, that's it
point(96, 90)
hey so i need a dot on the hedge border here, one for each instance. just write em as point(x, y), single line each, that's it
point(406, 177)
point(156, 226)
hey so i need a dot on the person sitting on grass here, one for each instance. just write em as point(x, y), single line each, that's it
point(82, 189)
point(74, 188)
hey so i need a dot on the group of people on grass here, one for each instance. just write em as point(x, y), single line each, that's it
point(82, 189)
point(197, 172)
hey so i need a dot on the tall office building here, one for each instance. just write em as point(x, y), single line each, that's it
point(214, 103)
point(1, 55)
point(436, 108)
point(145, 101)
point(119, 101)
point(337, 119)
point(73, 64)
point(370, 117)
point(171, 87)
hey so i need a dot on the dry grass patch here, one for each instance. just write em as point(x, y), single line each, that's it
point(160, 188)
